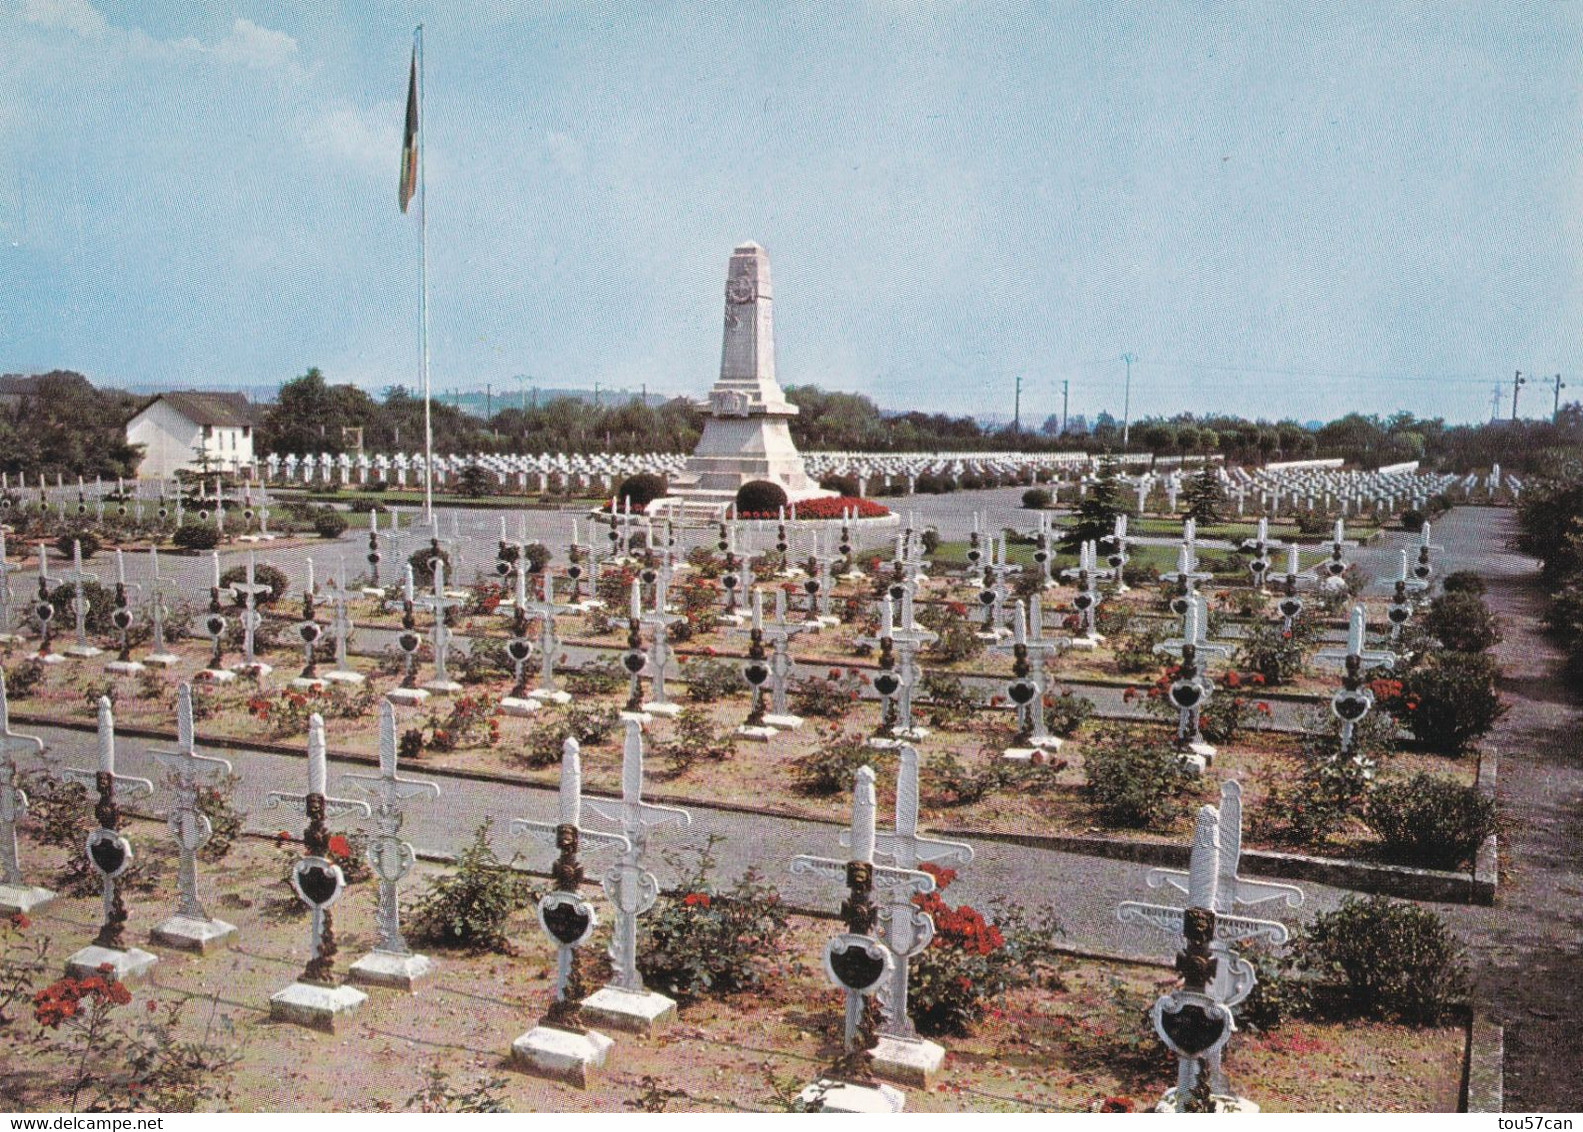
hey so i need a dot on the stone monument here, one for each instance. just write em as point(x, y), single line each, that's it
point(746, 435)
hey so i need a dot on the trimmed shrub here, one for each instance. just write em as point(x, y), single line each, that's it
point(1461, 621)
point(642, 489)
point(88, 540)
point(760, 497)
point(1412, 520)
point(1450, 700)
point(841, 485)
point(422, 576)
point(1133, 780)
point(1394, 959)
point(1036, 499)
point(1275, 653)
point(1462, 582)
point(832, 766)
point(712, 680)
point(1430, 821)
point(101, 603)
point(329, 524)
point(196, 536)
point(264, 575)
point(1065, 713)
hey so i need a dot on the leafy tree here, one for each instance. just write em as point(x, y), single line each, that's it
point(1097, 510)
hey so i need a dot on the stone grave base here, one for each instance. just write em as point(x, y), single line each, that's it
point(561, 1054)
point(838, 1096)
point(373, 592)
point(1203, 750)
point(640, 1013)
point(162, 660)
point(1000, 633)
point(783, 722)
point(407, 696)
point(519, 706)
point(186, 933)
point(883, 742)
point(339, 676)
point(47, 658)
point(384, 969)
point(911, 734)
point(829, 620)
point(1191, 763)
point(909, 1062)
point(757, 734)
point(82, 652)
point(642, 718)
point(9, 639)
point(217, 675)
point(443, 687)
point(124, 667)
point(1086, 644)
point(1223, 1103)
point(307, 683)
point(133, 963)
point(668, 711)
point(544, 695)
point(733, 620)
point(20, 899)
point(314, 1006)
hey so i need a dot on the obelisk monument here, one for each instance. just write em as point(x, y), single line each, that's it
point(746, 434)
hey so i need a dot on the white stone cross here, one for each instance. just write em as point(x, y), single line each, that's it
point(104, 780)
point(79, 603)
point(318, 808)
point(15, 895)
point(659, 623)
point(390, 856)
point(341, 626)
point(779, 633)
point(549, 644)
point(1261, 545)
point(862, 876)
point(190, 828)
point(248, 590)
point(6, 570)
point(1087, 599)
point(1354, 699)
point(438, 605)
point(631, 888)
point(1203, 898)
point(568, 836)
point(1028, 636)
point(908, 929)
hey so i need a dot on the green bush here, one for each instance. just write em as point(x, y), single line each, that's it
point(700, 939)
point(101, 603)
point(760, 497)
point(1036, 499)
point(709, 681)
point(1275, 653)
point(952, 703)
point(1133, 780)
point(597, 678)
point(422, 576)
point(844, 486)
point(468, 908)
point(1463, 582)
point(695, 738)
point(832, 766)
point(642, 489)
point(1412, 520)
point(263, 575)
point(88, 540)
point(1135, 651)
point(329, 524)
point(1430, 821)
point(1395, 960)
point(1450, 700)
point(1461, 621)
point(23, 678)
point(193, 535)
point(1280, 994)
point(951, 781)
point(1065, 713)
point(828, 697)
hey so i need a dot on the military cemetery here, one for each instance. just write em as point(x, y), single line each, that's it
point(778, 742)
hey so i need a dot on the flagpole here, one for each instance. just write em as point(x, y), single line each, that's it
point(423, 301)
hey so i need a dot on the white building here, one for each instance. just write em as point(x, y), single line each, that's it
point(193, 432)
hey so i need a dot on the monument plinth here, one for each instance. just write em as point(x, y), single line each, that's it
point(746, 435)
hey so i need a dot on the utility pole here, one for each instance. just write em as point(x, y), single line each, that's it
point(645, 395)
point(489, 400)
point(1555, 413)
point(1066, 389)
point(522, 389)
point(596, 395)
point(1016, 408)
point(1126, 404)
point(1495, 403)
point(1517, 383)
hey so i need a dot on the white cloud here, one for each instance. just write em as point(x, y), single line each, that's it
point(369, 139)
point(251, 45)
point(77, 16)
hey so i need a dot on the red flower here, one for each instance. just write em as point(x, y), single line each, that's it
point(1263, 707)
point(1233, 679)
point(281, 837)
point(20, 922)
point(340, 847)
point(1118, 1104)
point(696, 900)
point(1258, 679)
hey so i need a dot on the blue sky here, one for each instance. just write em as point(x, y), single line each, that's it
point(1278, 209)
